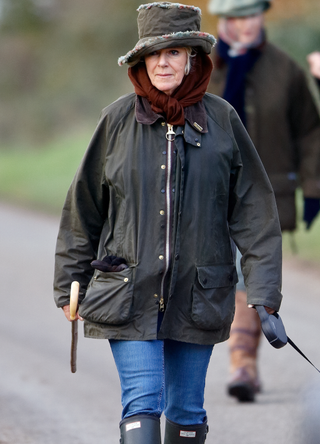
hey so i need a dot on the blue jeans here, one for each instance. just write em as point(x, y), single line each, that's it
point(162, 376)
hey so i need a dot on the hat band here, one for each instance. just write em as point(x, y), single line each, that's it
point(149, 42)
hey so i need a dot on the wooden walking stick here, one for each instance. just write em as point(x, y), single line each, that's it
point(74, 296)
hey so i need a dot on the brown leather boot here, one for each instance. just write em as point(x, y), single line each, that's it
point(243, 346)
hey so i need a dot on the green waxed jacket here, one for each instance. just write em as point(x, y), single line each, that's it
point(211, 182)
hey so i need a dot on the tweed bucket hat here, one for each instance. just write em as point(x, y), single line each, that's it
point(237, 8)
point(167, 25)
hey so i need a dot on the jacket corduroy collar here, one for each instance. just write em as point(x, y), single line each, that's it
point(194, 114)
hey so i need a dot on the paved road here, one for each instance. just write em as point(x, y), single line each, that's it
point(41, 402)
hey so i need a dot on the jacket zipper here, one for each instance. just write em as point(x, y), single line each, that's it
point(170, 138)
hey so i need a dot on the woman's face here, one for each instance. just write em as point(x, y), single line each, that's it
point(245, 30)
point(166, 68)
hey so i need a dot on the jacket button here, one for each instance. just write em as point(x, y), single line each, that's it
point(163, 191)
point(163, 123)
point(161, 257)
point(126, 280)
point(163, 167)
point(155, 295)
point(177, 257)
point(162, 213)
point(198, 144)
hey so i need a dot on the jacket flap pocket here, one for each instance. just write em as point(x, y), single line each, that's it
point(109, 297)
point(216, 276)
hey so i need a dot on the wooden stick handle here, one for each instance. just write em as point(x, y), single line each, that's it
point(74, 296)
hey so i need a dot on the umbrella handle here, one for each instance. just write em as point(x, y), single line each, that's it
point(74, 296)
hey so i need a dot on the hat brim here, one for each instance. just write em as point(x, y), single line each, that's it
point(147, 45)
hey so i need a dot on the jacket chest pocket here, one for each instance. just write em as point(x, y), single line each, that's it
point(213, 296)
point(108, 298)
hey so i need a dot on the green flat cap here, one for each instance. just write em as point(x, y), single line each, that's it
point(237, 8)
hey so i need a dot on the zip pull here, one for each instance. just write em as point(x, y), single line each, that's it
point(161, 305)
point(170, 132)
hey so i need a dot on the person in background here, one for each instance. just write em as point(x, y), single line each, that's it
point(314, 65)
point(270, 94)
point(146, 228)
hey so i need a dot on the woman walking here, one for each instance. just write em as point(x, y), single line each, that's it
point(169, 178)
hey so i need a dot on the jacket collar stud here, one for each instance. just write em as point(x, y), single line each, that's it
point(196, 125)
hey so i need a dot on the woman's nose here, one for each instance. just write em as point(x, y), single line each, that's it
point(162, 60)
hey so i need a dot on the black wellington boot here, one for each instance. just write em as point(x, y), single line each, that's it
point(140, 429)
point(181, 434)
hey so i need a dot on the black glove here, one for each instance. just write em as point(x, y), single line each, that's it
point(311, 209)
point(110, 263)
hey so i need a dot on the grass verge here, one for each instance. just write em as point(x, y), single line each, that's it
point(40, 177)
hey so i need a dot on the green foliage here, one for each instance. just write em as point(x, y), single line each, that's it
point(20, 16)
point(62, 73)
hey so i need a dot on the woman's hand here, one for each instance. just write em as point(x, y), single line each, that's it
point(66, 310)
point(269, 310)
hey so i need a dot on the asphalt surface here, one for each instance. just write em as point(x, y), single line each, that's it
point(42, 402)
